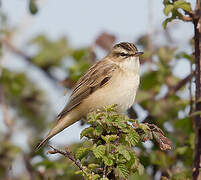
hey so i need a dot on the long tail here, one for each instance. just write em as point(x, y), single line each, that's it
point(60, 126)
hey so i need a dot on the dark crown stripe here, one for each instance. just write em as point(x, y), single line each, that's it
point(127, 46)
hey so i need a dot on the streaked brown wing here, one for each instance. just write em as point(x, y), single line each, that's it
point(96, 77)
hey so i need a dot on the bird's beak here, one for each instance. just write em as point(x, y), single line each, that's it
point(139, 53)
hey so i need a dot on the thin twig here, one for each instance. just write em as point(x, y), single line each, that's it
point(13, 49)
point(29, 167)
point(197, 120)
point(179, 85)
point(190, 91)
point(197, 7)
point(186, 18)
point(174, 89)
point(105, 171)
point(67, 154)
point(26, 57)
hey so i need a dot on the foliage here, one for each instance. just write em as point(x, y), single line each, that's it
point(113, 138)
point(25, 97)
point(174, 7)
point(55, 54)
point(109, 150)
point(33, 7)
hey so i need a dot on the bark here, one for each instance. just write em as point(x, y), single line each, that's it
point(197, 43)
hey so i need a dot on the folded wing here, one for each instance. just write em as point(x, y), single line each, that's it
point(96, 77)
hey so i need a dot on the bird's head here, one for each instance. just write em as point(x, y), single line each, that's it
point(124, 51)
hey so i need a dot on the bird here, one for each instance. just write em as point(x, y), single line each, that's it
point(112, 80)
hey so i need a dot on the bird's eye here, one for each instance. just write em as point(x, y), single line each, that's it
point(123, 54)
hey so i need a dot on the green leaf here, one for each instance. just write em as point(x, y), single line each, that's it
point(122, 171)
point(185, 125)
point(50, 53)
point(81, 152)
point(104, 179)
point(166, 22)
point(131, 120)
point(110, 108)
point(78, 172)
point(186, 56)
point(93, 166)
point(99, 151)
point(95, 176)
point(165, 2)
point(121, 159)
point(168, 8)
point(182, 150)
point(122, 125)
point(143, 95)
point(183, 5)
point(98, 130)
point(88, 132)
point(77, 70)
point(132, 137)
point(140, 169)
point(92, 117)
point(122, 150)
point(107, 161)
point(191, 140)
point(109, 138)
point(150, 80)
point(33, 7)
point(79, 54)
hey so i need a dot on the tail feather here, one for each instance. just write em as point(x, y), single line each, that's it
point(60, 126)
point(42, 143)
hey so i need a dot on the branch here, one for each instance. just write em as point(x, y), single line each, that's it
point(105, 171)
point(29, 167)
point(186, 18)
point(26, 57)
point(174, 89)
point(158, 134)
point(14, 49)
point(67, 154)
point(190, 92)
point(179, 85)
point(198, 4)
point(197, 120)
